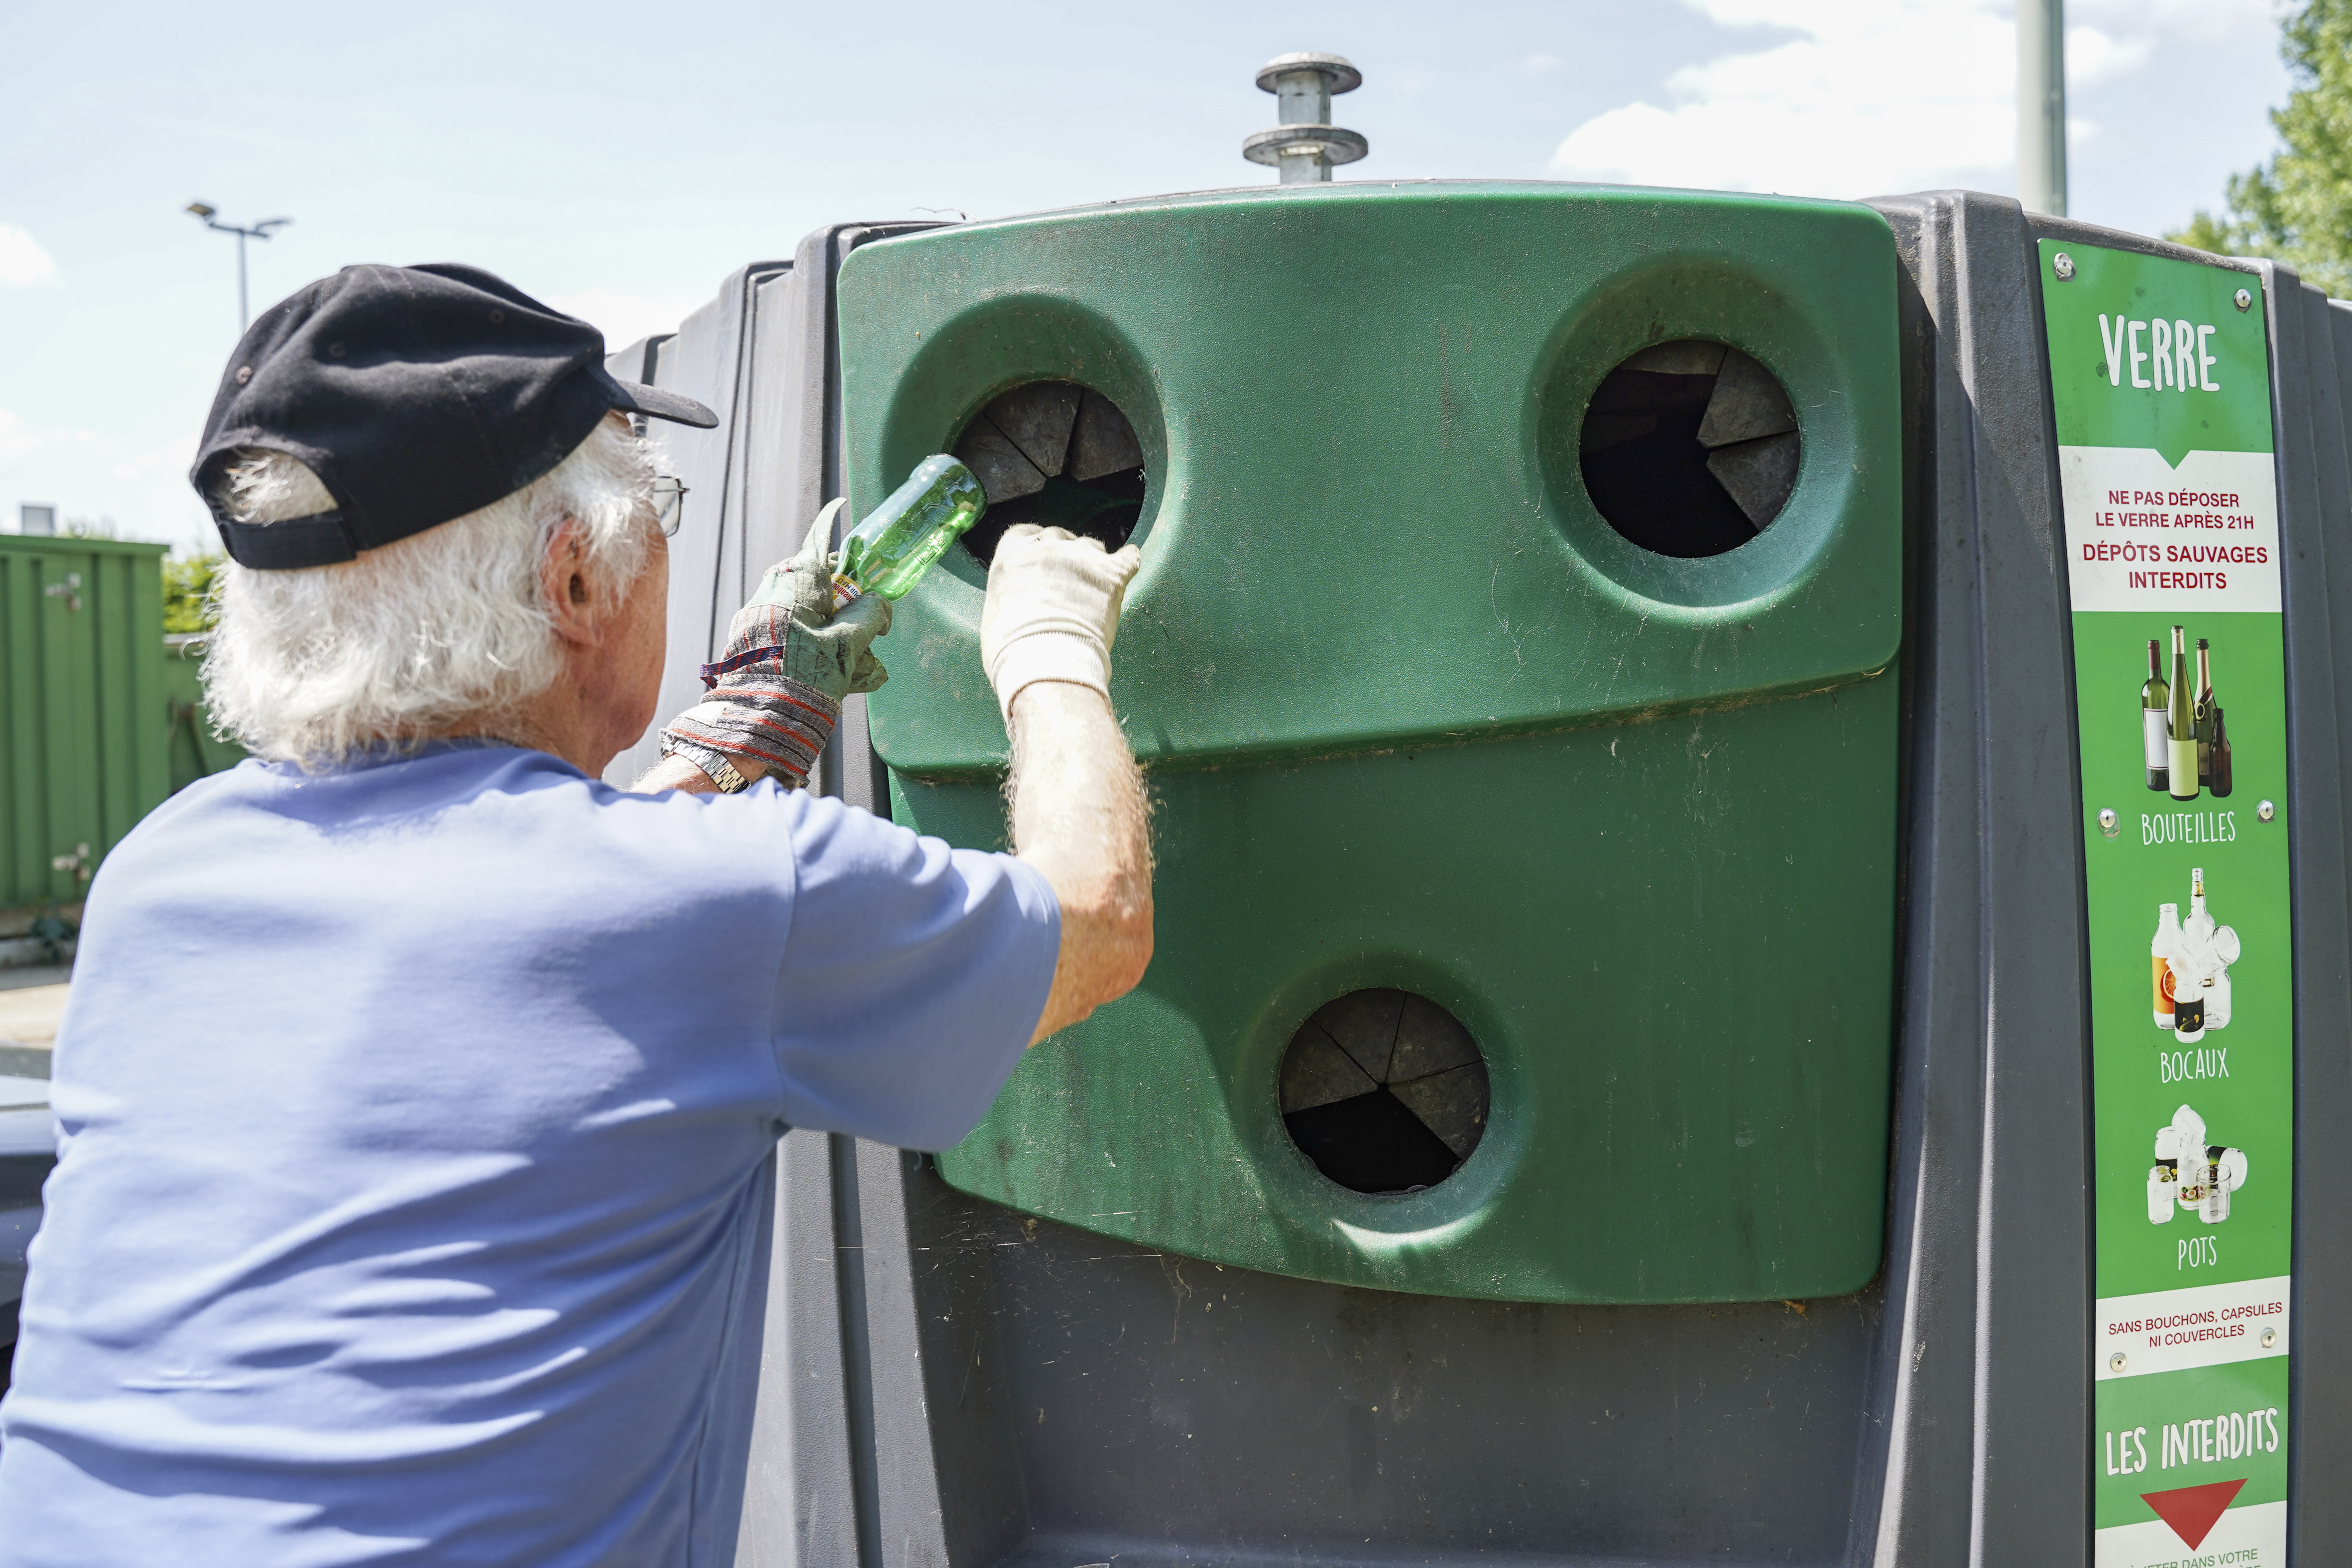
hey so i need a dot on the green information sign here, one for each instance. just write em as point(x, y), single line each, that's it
point(2159, 374)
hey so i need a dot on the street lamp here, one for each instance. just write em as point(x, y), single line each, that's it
point(2041, 106)
point(261, 230)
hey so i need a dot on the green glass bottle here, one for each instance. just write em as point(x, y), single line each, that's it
point(2204, 712)
point(896, 543)
point(2155, 721)
point(2180, 747)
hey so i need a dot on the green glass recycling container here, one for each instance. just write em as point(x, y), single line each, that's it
point(1515, 651)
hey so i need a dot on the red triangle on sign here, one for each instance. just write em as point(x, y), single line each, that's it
point(2192, 1511)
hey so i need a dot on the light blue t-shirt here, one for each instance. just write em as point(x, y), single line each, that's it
point(416, 1121)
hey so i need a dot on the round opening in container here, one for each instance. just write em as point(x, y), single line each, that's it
point(1057, 454)
point(1690, 448)
point(1385, 1092)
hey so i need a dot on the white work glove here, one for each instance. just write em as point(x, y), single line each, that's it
point(1052, 610)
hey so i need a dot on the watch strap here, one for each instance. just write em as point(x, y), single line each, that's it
point(722, 771)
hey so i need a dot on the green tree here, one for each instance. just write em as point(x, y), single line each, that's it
point(2297, 207)
point(188, 591)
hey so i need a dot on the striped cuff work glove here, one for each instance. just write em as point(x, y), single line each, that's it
point(1052, 610)
point(776, 688)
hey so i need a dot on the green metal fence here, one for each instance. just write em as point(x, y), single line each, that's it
point(84, 742)
point(197, 752)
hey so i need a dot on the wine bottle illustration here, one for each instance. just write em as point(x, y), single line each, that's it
point(2181, 749)
point(2202, 713)
point(2216, 751)
point(2156, 720)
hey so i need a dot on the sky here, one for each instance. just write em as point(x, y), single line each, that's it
point(620, 161)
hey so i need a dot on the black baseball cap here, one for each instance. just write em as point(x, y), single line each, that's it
point(417, 394)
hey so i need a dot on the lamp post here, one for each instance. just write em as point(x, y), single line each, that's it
point(261, 230)
point(2041, 106)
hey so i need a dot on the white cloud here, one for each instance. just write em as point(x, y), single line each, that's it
point(18, 438)
point(175, 456)
point(23, 263)
point(1867, 98)
point(2094, 58)
point(2206, 21)
point(1871, 95)
point(624, 318)
point(1540, 65)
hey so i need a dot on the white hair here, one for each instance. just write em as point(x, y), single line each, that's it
point(442, 630)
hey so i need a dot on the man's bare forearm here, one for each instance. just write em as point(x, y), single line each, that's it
point(1079, 817)
point(677, 773)
point(674, 773)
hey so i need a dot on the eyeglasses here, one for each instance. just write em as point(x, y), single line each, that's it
point(669, 504)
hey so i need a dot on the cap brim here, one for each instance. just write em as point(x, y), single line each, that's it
point(635, 397)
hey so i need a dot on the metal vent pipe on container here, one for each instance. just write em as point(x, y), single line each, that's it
point(1305, 144)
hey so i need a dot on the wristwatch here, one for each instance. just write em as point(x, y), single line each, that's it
point(715, 763)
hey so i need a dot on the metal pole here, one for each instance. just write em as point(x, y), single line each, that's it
point(262, 230)
point(2041, 106)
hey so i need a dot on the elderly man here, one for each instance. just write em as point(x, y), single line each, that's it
point(418, 1089)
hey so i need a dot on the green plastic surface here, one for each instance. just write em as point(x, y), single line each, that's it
point(1417, 716)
